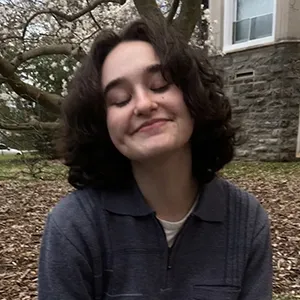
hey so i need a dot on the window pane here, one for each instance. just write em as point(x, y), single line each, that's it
point(261, 26)
point(251, 8)
point(241, 31)
point(254, 19)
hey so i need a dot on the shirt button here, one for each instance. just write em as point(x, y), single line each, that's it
point(169, 267)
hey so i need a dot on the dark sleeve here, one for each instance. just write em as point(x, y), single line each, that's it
point(64, 272)
point(257, 283)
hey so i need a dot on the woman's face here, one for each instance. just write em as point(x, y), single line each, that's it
point(146, 115)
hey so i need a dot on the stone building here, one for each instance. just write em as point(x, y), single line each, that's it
point(261, 68)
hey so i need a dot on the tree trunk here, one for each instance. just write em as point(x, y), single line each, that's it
point(186, 21)
point(147, 8)
point(189, 15)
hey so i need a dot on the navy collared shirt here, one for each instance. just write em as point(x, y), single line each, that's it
point(109, 245)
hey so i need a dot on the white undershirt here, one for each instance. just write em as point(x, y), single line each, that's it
point(172, 228)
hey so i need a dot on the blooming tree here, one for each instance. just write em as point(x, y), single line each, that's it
point(43, 42)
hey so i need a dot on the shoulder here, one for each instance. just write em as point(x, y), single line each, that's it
point(79, 209)
point(72, 226)
point(244, 204)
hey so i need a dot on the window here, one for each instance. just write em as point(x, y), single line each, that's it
point(3, 147)
point(253, 20)
point(248, 22)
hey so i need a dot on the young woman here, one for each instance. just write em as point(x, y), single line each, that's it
point(146, 127)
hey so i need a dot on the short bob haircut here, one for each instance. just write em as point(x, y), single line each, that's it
point(85, 145)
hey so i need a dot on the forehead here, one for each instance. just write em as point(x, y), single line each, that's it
point(129, 60)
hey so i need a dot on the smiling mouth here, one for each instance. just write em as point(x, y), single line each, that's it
point(151, 125)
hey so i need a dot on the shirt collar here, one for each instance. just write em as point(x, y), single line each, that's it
point(212, 199)
point(126, 202)
point(210, 207)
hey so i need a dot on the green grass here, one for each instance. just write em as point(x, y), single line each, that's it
point(5, 158)
point(255, 169)
point(20, 167)
point(30, 167)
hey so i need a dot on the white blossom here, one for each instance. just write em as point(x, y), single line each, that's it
point(31, 67)
point(4, 97)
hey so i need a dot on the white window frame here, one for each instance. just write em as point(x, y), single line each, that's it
point(229, 18)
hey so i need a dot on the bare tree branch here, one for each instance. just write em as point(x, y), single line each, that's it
point(67, 17)
point(28, 92)
point(189, 15)
point(88, 37)
point(2, 79)
point(147, 8)
point(33, 124)
point(92, 16)
point(173, 10)
point(66, 49)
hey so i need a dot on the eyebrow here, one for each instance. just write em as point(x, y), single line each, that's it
point(152, 69)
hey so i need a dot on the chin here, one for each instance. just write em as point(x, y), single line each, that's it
point(150, 153)
point(156, 147)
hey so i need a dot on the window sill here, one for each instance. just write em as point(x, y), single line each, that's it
point(248, 45)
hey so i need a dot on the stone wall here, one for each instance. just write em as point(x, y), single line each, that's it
point(263, 85)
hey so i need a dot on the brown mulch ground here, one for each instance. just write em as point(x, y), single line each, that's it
point(24, 205)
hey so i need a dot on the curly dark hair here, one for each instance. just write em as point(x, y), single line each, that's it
point(85, 144)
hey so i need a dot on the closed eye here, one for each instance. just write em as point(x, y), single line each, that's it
point(121, 103)
point(160, 89)
point(118, 97)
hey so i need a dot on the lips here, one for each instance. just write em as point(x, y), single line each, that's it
point(151, 123)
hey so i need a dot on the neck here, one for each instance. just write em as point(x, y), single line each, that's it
point(167, 184)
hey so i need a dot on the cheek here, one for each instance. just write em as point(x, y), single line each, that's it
point(190, 124)
point(186, 118)
point(117, 123)
point(112, 126)
point(181, 110)
point(177, 104)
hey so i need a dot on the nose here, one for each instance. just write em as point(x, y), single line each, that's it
point(144, 103)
